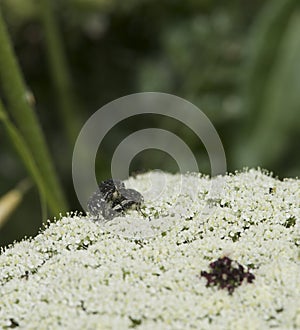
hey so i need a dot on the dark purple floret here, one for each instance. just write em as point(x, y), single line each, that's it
point(226, 274)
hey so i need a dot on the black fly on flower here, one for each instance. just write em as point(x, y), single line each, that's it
point(112, 199)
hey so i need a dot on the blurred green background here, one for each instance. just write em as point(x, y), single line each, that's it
point(238, 61)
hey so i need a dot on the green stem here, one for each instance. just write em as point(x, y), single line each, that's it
point(27, 158)
point(14, 91)
point(270, 26)
point(60, 72)
point(269, 96)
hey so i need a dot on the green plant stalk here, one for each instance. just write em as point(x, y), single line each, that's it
point(265, 120)
point(27, 158)
point(60, 73)
point(280, 103)
point(14, 91)
point(265, 40)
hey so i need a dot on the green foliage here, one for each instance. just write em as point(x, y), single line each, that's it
point(16, 94)
point(199, 61)
point(272, 99)
point(27, 158)
point(60, 72)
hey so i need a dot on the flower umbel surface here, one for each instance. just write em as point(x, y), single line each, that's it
point(79, 274)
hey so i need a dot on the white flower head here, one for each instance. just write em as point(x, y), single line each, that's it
point(84, 274)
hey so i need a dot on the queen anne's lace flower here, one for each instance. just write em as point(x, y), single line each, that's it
point(78, 275)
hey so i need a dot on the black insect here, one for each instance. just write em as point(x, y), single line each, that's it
point(112, 199)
